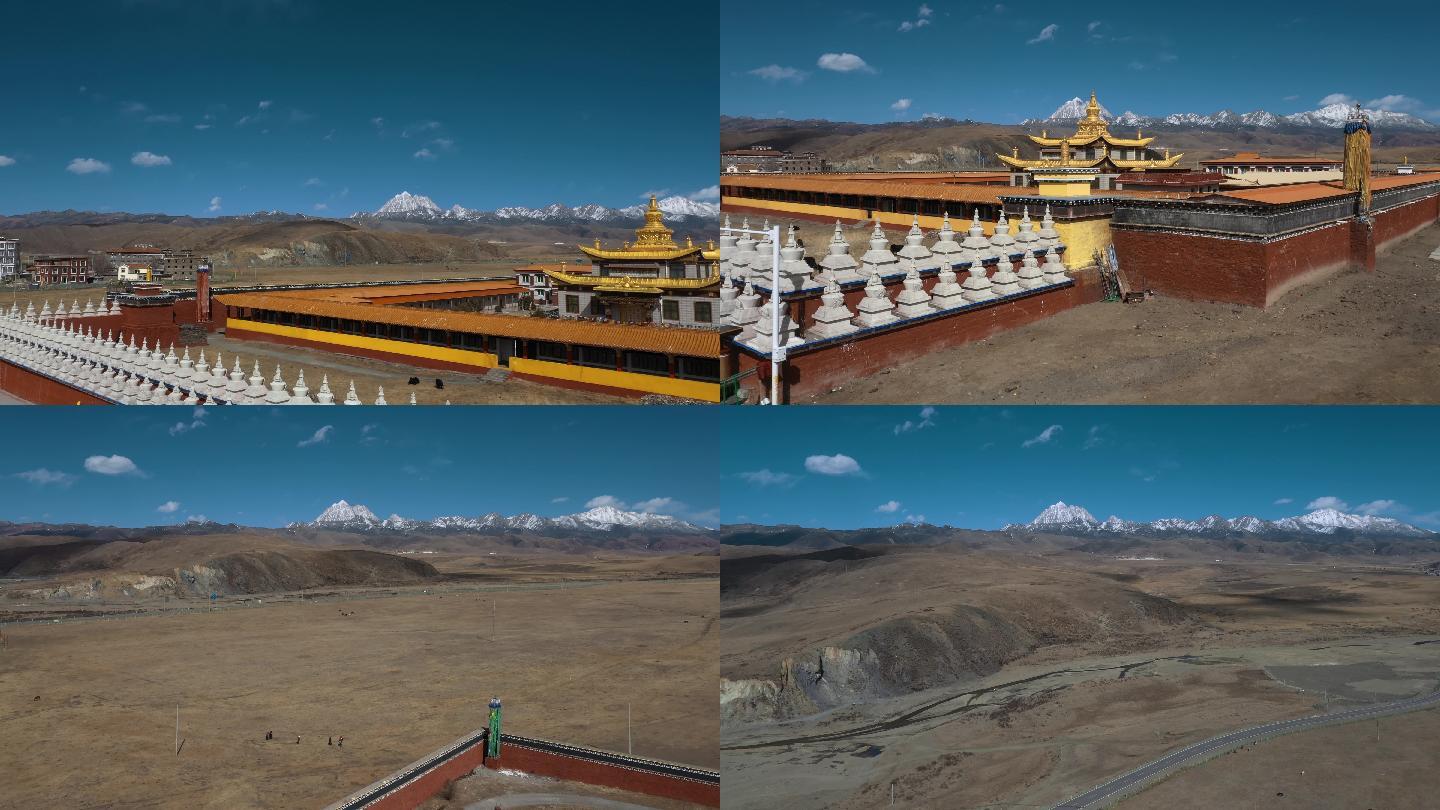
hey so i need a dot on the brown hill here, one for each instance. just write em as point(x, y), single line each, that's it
point(970, 145)
point(67, 568)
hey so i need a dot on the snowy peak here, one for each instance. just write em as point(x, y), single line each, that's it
point(1330, 116)
point(344, 512)
point(416, 206)
point(355, 517)
point(1074, 109)
point(406, 205)
point(1063, 514)
point(1062, 518)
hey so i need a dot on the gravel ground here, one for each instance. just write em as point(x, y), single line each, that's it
point(1349, 338)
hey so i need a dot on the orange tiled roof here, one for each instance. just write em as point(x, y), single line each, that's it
point(952, 192)
point(1300, 192)
point(1258, 159)
point(636, 337)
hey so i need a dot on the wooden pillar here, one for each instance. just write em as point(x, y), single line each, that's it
point(670, 364)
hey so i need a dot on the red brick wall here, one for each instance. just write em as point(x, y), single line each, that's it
point(1398, 223)
point(819, 371)
point(572, 769)
point(38, 389)
point(1203, 268)
point(544, 763)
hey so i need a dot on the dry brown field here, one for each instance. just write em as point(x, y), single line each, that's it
point(1041, 675)
point(89, 704)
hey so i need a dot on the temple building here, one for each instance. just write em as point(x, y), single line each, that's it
point(1091, 148)
point(652, 280)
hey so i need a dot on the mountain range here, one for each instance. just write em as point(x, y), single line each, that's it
point(1068, 519)
point(407, 206)
point(1330, 116)
point(345, 516)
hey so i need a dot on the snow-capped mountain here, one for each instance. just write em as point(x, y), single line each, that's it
point(1074, 109)
point(1062, 518)
point(1061, 515)
point(343, 513)
point(419, 207)
point(355, 517)
point(1330, 116)
point(406, 205)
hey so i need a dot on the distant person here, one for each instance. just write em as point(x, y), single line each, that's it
point(340, 743)
point(269, 735)
point(329, 740)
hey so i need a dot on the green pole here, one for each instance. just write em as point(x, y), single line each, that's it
point(492, 740)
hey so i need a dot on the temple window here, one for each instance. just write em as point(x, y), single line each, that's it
point(703, 312)
point(572, 304)
point(670, 309)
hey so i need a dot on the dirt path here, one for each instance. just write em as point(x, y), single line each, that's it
point(1350, 338)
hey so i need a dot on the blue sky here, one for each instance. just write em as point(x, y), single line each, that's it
point(984, 467)
point(321, 107)
point(1005, 62)
point(270, 466)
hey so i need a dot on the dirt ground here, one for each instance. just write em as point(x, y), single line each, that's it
point(1320, 768)
point(370, 374)
point(1101, 692)
point(485, 789)
point(1348, 338)
point(88, 706)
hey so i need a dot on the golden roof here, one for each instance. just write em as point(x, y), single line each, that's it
point(653, 241)
point(637, 337)
point(635, 284)
point(1088, 130)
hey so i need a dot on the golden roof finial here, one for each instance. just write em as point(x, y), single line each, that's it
point(1015, 151)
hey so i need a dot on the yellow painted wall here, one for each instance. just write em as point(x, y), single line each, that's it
point(466, 357)
point(1079, 188)
point(628, 380)
point(1082, 239)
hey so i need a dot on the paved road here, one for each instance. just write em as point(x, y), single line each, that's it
point(1100, 796)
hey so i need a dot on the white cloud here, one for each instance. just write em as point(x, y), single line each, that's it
point(658, 506)
point(1337, 98)
point(424, 154)
point(204, 126)
point(133, 108)
point(707, 193)
point(313, 181)
point(1092, 26)
point(766, 478)
point(838, 464)
point(265, 105)
point(1283, 501)
point(922, 19)
point(1047, 34)
point(163, 118)
point(915, 519)
point(1377, 507)
point(1093, 439)
point(604, 500)
point(422, 127)
point(1328, 502)
point(44, 477)
point(197, 420)
point(196, 519)
point(378, 121)
point(901, 105)
point(779, 73)
point(88, 166)
point(930, 116)
point(149, 159)
point(318, 437)
point(1044, 437)
point(560, 499)
point(111, 465)
point(843, 63)
point(927, 419)
point(214, 204)
point(321, 207)
point(168, 507)
point(888, 506)
point(6, 161)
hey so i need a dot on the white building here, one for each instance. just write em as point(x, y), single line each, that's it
point(9, 258)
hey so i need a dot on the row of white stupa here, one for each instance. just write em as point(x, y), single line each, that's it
point(107, 307)
point(743, 258)
point(836, 319)
point(128, 374)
